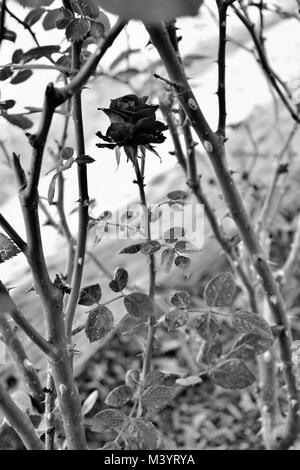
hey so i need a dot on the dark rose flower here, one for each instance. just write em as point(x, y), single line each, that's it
point(133, 124)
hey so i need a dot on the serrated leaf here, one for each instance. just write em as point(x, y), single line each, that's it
point(89, 8)
point(7, 104)
point(144, 432)
point(90, 295)
point(39, 52)
point(119, 396)
point(131, 249)
point(84, 160)
point(232, 374)
point(176, 318)
point(182, 262)
point(89, 402)
point(132, 378)
point(5, 73)
point(119, 281)
point(139, 305)
point(17, 56)
point(180, 299)
point(167, 259)
point(100, 321)
point(7, 248)
point(207, 326)
point(157, 397)
point(21, 77)
point(33, 16)
point(177, 195)
point(18, 120)
point(220, 290)
point(150, 247)
point(189, 381)
point(250, 322)
point(77, 29)
point(183, 246)
point(107, 420)
point(49, 21)
point(151, 11)
point(249, 345)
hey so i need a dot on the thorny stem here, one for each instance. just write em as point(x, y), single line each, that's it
point(24, 366)
point(152, 273)
point(12, 233)
point(28, 28)
point(83, 211)
point(19, 421)
point(49, 412)
point(214, 147)
point(222, 10)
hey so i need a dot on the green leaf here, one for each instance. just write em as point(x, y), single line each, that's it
point(151, 10)
point(167, 259)
point(157, 397)
point(176, 318)
point(7, 248)
point(49, 21)
point(7, 104)
point(89, 402)
point(5, 73)
point(180, 299)
point(77, 29)
point(250, 345)
point(132, 378)
point(150, 247)
point(139, 305)
point(18, 120)
point(21, 77)
point(183, 246)
point(33, 16)
point(232, 374)
point(89, 8)
point(100, 321)
point(131, 249)
point(207, 326)
point(119, 281)
point(39, 52)
point(84, 160)
point(90, 295)
point(144, 433)
point(220, 290)
point(119, 396)
point(177, 195)
point(250, 322)
point(107, 420)
point(17, 56)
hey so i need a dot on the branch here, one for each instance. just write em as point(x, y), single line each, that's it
point(216, 152)
point(26, 369)
point(293, 257)
point(12, 233)
point(2, 20)
point(83, 211)
point(222, 10)
point(19, 421)
point(28, 28)
point(7, 305)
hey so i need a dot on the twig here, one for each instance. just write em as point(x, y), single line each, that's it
point(222, 10)
point(24, 366)
point(12, 233)
point(83, 211)
point(49, 412)
point(28, 28)
point(19, 421)
point(216, 152)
